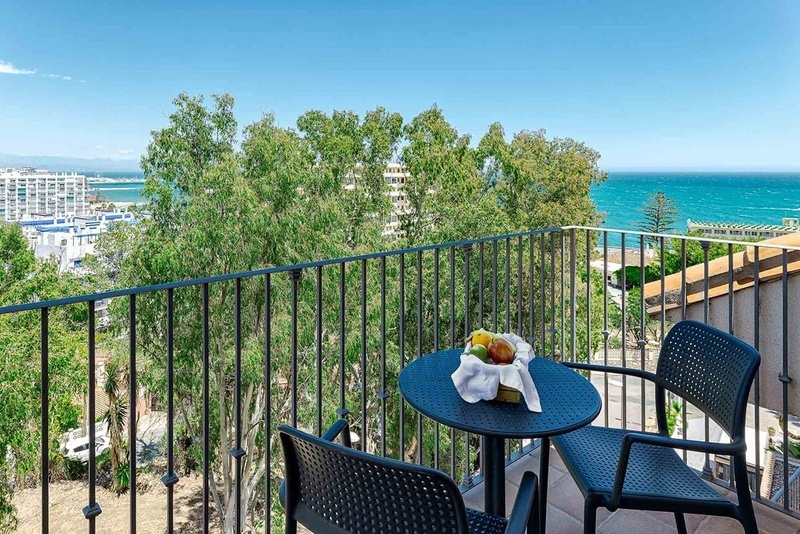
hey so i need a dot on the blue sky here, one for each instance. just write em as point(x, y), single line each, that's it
point(705, 85)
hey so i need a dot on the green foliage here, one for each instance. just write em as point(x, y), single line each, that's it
point(16, 259)
point(633, 274)
point(673, 411)
point(20, 372)
point(659, 215)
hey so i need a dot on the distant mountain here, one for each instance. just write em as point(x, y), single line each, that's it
point(62, 164)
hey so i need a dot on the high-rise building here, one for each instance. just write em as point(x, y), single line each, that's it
point(27, 193)
point(396, 175)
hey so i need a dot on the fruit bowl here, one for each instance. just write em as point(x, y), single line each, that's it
point(495, 359)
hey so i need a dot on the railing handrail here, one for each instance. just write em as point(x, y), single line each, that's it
point(29, 306)
point(259, 272)
point(686, 237)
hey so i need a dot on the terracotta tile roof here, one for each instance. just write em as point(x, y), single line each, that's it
point(770, 268)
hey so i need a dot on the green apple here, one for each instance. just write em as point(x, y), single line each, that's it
point(480, 351)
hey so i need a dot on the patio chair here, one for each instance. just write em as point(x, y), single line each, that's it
point(332, 488)
point(617, 468)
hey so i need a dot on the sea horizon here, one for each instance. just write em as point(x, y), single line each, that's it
point(751, 197)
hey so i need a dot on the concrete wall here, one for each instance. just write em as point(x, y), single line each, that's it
point(770, 335)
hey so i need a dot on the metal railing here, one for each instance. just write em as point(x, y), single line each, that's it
point(335, 333)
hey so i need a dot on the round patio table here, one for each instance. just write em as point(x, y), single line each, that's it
point(568, 400)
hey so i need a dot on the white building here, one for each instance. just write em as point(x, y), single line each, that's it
point(69, 239)
point(27, 192)
point(396, 175)
point(789, 225)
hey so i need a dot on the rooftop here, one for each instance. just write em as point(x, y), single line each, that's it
point(770, 267)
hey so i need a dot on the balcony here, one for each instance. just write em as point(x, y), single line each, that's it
point(304, 344)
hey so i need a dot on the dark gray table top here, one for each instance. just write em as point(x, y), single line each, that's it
point(568, 400)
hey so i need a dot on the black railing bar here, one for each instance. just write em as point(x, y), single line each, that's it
point(543, 296)
point(531, 290)
point(319, 351)
point(452, 253)
point(45, 438)
point(789, 248)
point(383, 394)
point(684, 303)
point(730, 291)
point(256, 272)
point(170, 478)
point(624, 352)
point(757, 381)
point(785, 378)
point(573, 305)
point(507, 261)
point(519, 285)
point(519, 296)
point(294, 278)
point(93, 509)
point(480, 285)
point(706, 303)
point(267, 400)
point(238, 452)
point(605, 326)
point(436, 340)
point(508, 284)
point(663, 313)
point(552, 294)
point(364, 421)
point(342, 338)
point(452, 298)
point(419, 349)
point(467, 253)
point(643, 333)
point(495, 324)
point(402, 350)
point(132, 405)
point(562, 289)
point(663, 291)
point(589, 299)
point(206, 413)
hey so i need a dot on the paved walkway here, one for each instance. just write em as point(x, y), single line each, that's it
point(565, 508)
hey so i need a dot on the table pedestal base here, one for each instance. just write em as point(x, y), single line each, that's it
point(494, 467)
point(544, 472)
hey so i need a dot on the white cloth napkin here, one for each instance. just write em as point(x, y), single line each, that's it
point(476, 380)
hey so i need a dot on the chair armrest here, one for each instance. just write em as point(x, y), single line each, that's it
point(526, 505)
point(340, 427)
point(610, 369)
point(727, 449)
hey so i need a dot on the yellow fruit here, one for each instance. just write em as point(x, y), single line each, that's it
point(482, 337)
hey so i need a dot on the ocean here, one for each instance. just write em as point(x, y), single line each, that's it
point(756, 197)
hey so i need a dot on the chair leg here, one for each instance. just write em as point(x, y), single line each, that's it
point(589, 517)
point(747, 515)
point(680, 522)
point(291, 526)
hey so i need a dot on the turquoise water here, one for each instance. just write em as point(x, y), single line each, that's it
point(762, 198)
point(720, 197)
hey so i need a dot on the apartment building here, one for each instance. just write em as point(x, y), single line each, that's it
point(28, 192)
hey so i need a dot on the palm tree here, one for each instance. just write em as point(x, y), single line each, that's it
point(115, 421)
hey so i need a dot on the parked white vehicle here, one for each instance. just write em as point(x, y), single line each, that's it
point(78, 449)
